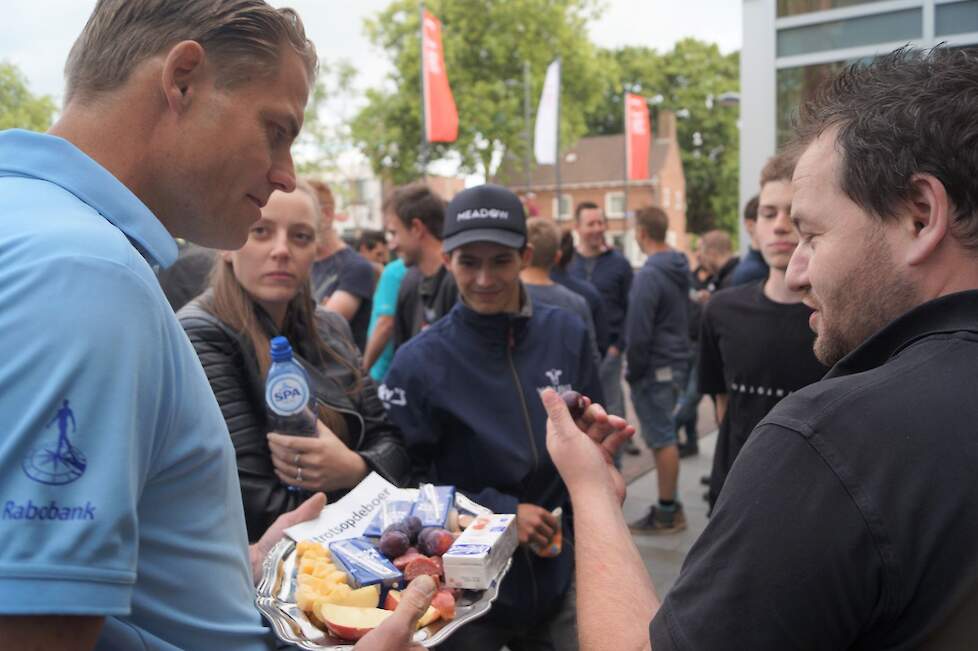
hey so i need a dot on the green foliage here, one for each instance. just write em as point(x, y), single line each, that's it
point(18, 107)
point(325, 134)
point(690, 79)
point(485, 44)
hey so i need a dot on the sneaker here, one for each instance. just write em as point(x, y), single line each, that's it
point(631, 448)
point(686, 451)
point(705, 480)
point(660, 521)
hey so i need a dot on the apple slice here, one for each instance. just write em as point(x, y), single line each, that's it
point(367, 597)
point(429, 616)
point(394, 598)
point(350, 622)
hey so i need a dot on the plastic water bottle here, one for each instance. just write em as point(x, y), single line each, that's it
point(289, 400)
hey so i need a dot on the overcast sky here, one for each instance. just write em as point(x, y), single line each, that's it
point(37, 34)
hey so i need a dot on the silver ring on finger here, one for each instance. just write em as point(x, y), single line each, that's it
point(298, 475)
point(295, 461)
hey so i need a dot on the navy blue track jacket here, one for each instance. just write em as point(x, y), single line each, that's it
point(612, 275)
point(658, 315)
point(465, 393)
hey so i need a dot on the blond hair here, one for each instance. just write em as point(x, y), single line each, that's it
point(244, 38)
point(544, 236)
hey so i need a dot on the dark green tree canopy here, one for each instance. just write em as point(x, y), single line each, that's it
point(485, 44)
point(689, 81)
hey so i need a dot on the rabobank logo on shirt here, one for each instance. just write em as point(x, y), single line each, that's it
point(287, 395)
point(57, 462)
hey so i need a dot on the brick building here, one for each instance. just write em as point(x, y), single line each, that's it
point(594, 170)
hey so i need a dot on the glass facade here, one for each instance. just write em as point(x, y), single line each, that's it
point(795, 7)
point(797, 86)
point(853, 32)
point(956, 18)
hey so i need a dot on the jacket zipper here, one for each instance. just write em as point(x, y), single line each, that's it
point(511, 344)
point(363, 424)
point(519, 389)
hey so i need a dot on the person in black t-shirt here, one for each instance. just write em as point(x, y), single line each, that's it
point(849, 520)
point(755, 343)
point(342, 280)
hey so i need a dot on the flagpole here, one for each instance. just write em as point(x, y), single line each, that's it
point(625, 133)
point(424, 127)
point(560, 70)
point(526, 122)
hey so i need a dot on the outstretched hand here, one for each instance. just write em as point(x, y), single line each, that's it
point(395, 633)
point(308, 510)
point(584, 450)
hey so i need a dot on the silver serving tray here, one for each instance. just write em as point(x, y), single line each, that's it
point(276, 601)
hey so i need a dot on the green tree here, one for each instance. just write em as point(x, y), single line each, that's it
point(325, 134)
point(690, 80)
point(485, 44)
point(18, 107)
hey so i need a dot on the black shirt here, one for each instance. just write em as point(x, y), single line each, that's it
point(756, 351)
point(349, 271)
point(421, 301)
point(850, 520)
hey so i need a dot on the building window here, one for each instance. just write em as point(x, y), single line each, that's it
point(795, 7)
point(956, 18)
point(797, 86)
point(614, 204)
point(852, 32)
point(565, 207)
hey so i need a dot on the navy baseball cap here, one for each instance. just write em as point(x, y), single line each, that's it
point(485, 213)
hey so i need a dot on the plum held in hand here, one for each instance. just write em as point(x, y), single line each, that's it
point(575, 402)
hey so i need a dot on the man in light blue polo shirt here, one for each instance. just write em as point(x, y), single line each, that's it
point(121, 525)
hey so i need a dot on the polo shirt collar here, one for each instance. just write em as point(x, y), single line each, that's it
point(54, 159)
point(951, 313)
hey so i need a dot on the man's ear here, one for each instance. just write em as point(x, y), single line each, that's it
point(416, 227)
point(183, 73)
point(446, 259)
point(526, 256)
point(928, 217)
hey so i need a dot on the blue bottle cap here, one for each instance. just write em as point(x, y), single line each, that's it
point(281, 350)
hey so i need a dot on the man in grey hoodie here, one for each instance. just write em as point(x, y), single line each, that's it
point(658, 359)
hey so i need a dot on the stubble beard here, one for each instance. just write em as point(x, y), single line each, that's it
point(876, 295)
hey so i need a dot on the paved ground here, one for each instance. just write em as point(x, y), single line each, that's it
point(664, 554)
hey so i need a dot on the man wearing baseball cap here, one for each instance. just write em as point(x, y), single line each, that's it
point(465, 394)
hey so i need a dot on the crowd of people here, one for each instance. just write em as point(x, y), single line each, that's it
point(161, 223)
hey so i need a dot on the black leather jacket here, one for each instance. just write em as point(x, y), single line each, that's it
point(235, 378)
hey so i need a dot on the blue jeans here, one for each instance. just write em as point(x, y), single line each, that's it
point(655, 398)
point(610, 376)
point(687, 413)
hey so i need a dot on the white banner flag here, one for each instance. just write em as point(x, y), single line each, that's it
point(545, 137)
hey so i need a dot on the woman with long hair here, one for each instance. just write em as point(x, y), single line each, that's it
point(256, 293)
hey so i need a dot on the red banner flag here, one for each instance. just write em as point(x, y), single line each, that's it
point(440, 114)
point(638, 137)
